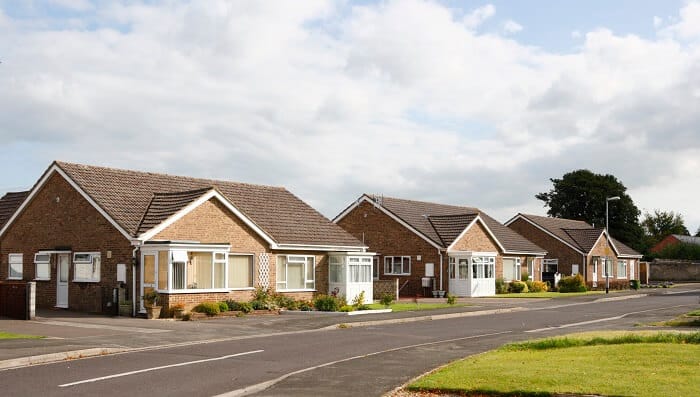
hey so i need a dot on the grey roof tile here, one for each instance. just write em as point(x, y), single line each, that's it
point(9, 204)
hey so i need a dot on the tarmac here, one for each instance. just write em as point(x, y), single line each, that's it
point(71, 335)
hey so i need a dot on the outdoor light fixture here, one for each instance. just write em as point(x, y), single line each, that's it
point(607, 235)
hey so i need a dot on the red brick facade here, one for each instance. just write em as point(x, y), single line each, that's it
point(59, 218)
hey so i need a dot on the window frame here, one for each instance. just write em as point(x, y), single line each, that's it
point(252, 271)
point(10, 262)
point(37, 263)
point(389, 267)
point(622, 274)
point(96, 267)
point(305, 272)
point(517, 267)
point(360, 264)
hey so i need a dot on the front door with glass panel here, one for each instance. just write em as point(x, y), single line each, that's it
point(62, 271)
point(148, 276)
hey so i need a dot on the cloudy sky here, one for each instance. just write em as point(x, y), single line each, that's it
point(460, 102)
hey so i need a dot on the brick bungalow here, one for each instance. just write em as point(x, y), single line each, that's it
point(83, 231)
point(462, 248)
point(576, 247)
point(673, 239)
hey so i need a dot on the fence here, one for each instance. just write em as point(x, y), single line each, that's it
point(383, 287)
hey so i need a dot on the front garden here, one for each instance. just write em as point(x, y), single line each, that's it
point(567, 286)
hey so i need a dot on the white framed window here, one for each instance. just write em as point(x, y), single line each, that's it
point(336, 269)
point(608, 267)
point(530, 268)
point(483, 266)
point(397, 265)
point(621, 268)
point(42, 263)
point(451, 267)
point(574, 269)
point(375, 268)
point(511, 269)
point(206, 270)
point(86, 267)
point(360, 269)
point(16, 264)
point(240, 270)
point(550, 265)
point(296, 272)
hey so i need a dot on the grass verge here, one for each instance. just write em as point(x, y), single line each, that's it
point(691, 319)
point(644, 364)
point(9, 335)
point(548, 294)
point(404, 307)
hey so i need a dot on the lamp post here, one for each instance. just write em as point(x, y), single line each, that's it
point(607, 235)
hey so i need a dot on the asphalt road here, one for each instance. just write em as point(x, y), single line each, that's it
point(364, 361)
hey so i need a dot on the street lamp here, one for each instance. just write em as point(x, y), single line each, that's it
point(607, 235)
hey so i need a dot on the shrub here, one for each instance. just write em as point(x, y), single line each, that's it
point(305, 306)
point(346, 308)
point(284, 301)
point(451, 299)
point(572, 284)
point(186, 316)
point(327, 303)
point(538, 286)
point(245, 307)
point(233, 305)
point(501, 286)
point(223, 306)
point(386, 300)
point(634, 284)
point(517, 287)
point(524, 276)
point(208, 308)
point(358, 301)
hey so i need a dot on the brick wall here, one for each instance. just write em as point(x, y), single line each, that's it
point(387, 237)
point(58, 217)
point(602, 248)
point(478, 239)
point(674, 270)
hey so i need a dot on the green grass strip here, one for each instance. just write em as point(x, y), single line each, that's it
point(566, 342)
point(9, 335)
point(403, 307)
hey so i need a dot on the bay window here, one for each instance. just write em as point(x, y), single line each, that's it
point(483, 266)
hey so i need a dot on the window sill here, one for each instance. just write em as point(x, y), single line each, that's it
point(296, 290)
point(42, 279)
point(397, 274)
point(15, 278)
point(194, 291)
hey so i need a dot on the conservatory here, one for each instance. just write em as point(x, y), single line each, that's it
point(472, 273)
point(349, 274)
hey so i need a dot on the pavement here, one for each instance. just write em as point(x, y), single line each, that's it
point(71, 335)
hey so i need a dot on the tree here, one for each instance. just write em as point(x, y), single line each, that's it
point(581, 195)
point(660, 224)
point(697, 234)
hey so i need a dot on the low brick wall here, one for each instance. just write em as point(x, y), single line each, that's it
point(383, 287)
point(674, 270)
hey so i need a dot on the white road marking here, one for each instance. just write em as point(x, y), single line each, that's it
point(157, 368)
point(600, 320)
point(264, 385)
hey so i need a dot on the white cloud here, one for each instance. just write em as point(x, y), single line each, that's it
point(77, 5)
point(576, 34)
point(474, 19)
point(332, 100)
point(511, 26)
point(687, 26)
point(657, 22)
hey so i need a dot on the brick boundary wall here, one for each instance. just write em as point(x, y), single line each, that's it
point(674, 270)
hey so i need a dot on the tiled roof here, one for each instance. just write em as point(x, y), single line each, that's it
point(128, 195)
point(585, 238)
point(9, 204)
point(449, 227)
point(164, 205)
point(687, 239)
point(439, 222)
point(579, 234)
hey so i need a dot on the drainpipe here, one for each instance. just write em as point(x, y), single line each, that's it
point(585, 268)
point(440, 254)
point(133, 281)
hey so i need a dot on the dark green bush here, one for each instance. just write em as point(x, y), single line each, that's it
point(208, 308)
point(245, 307)
point(223, 306)
point(327, 303)
point(306, 306)
point(501, 286)
point(386, 300)
point(284, 301)
point(572, 284)
point(634, 284)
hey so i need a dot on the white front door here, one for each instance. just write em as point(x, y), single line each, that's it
point(632, 269)
point(62, 280)
point(148, 276)
point(595, 272)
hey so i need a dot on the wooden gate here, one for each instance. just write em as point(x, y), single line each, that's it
point(13, 300)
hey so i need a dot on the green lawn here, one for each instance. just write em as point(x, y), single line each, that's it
point(691, 319)
point(548, 294)
point(404, 307)
point(590, 367)
point(8, 335)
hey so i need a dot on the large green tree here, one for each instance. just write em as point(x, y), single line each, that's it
point(697, 234)
point(660, 224)
point(581, 195)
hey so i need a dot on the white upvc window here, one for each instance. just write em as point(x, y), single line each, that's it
point(550, 265)
point(336, 269)
point(296, 272)
point(375, 268)
point(483, 266)
point(621, 268)
point(360, 269)
point(240, 271)
point(511, 269)
point(86, 267)
point(16, 264)
point(608, 267)
point(451, 267)
point(397, 265)
point(42, 263)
